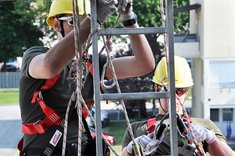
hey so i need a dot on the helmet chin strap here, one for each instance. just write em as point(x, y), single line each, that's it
point(62, 28)
point(161, 106)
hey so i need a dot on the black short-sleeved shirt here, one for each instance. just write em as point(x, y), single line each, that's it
point(139, 128)
point(56, 97)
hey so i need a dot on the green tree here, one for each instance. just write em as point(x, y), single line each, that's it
point(18, 28)
point(149, 15)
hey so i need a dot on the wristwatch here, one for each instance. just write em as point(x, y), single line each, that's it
point(130, 22)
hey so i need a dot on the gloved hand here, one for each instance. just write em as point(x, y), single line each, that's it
point(125, 10)
point(143, 140)
point(202, 134)
point(105, 8)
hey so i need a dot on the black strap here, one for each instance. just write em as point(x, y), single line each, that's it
point(51, 145)
point(86, 128)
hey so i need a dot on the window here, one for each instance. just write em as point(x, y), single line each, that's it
point(228, 114)
point(221, 74)
point(214, 114)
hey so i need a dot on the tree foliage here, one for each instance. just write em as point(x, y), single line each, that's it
point(149, 15)
point(18, 29)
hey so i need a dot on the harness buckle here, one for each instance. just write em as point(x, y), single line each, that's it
point(37, 122)
point(40, 95)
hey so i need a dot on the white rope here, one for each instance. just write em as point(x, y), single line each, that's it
point(121, 101)
point(78, 54)
point(72, 98)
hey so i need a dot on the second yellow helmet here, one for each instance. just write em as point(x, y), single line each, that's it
point(183, 75)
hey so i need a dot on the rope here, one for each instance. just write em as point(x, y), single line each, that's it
point(121, 101)
point(199, 148)
point(79, 74)
point(78, 54)
point(165, 50)
point(72, 98)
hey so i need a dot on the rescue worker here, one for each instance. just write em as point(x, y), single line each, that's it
point(42, 109)
point(202, 130)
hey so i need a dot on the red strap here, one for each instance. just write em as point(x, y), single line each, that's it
point(52, 118)
point(151, 124)
point(50, 82)
point(88, 65)
point(89, 104)
point(47, 85)
point(41, 126)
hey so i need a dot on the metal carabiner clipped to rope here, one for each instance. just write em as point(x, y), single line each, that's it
point(103, 79)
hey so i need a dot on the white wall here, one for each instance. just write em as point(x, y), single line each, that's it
point(218, 23)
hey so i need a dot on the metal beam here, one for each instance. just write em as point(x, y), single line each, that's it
point(128, 31)
point(187, 8)
point(134, 96)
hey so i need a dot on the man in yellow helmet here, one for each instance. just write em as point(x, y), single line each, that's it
point(196, 136)
point(45, 89)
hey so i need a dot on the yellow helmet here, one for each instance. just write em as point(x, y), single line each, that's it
point(183, 75)
point(65, 7)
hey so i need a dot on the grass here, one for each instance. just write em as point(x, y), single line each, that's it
point(9, 96)
point(117, 128)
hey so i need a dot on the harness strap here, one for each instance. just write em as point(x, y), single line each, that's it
point(91, 69)
point(151, 124)
point(52, 118)
point(41, 126)
point(84, 112)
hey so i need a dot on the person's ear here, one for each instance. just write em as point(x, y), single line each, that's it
point(56, 25)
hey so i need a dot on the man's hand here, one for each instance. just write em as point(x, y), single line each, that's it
point(143, 140)
point(125, 10)
point(202, 134)
point(105, 8)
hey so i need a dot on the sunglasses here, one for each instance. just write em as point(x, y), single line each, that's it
point(178, 91)
point(69, 19)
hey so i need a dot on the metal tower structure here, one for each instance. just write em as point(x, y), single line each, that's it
point(168, 29)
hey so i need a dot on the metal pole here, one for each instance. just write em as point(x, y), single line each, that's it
point(95, 60)
point(171, 76)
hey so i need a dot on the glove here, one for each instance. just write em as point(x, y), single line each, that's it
point(143, 140)
point(125, 10)
point(105, 8)
point(202, 134)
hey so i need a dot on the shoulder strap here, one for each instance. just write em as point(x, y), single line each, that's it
point(47, 85)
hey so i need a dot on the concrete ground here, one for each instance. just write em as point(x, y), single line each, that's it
point(10, 130)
